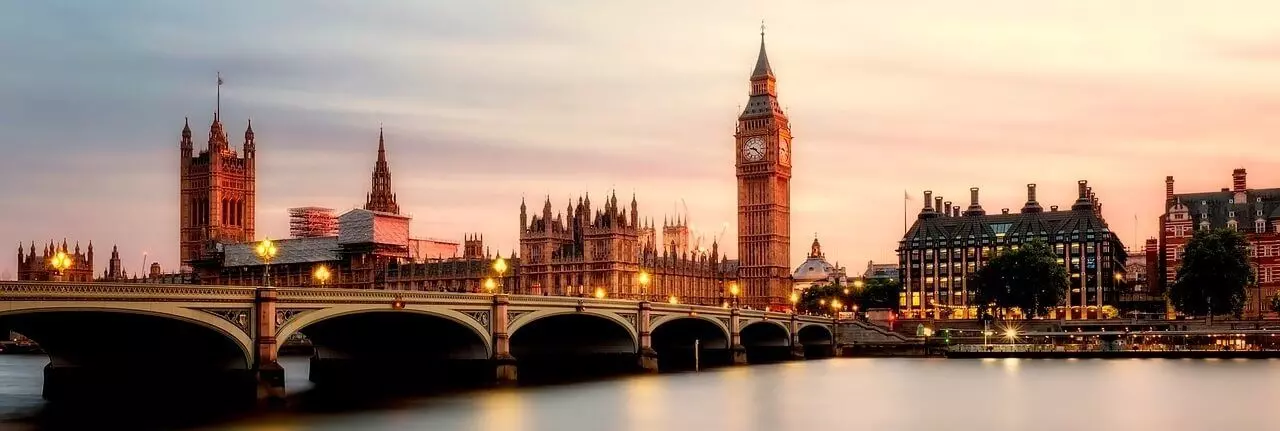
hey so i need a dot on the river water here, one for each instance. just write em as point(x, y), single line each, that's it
point(836, 394)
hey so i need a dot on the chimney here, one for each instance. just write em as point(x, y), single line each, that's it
point(937, 204)
point(1237, 180)
point(1168, 188)
point(1053, 207)
point(1031, 206)
point(947, 206)
point(1082, 201)
point(1004, 211)
point(957, 211)
point(927, 199)
point(975, 209)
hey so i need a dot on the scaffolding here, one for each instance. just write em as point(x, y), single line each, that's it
point(312, 222)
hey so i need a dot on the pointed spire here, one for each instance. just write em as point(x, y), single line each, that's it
point(762, 68)
point(186, 128)
point(381, 198)
point(248, 131)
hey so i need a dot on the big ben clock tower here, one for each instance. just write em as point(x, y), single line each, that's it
point(762, 149)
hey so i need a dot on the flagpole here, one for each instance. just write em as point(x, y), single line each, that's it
point(905, 196)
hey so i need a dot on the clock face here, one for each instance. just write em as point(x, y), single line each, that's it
point(753, 149)
point(784, 152)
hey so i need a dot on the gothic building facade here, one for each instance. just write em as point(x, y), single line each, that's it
point(217, 193)
point(370, 249)
point(582, 251)
point(763, 164)
point(945, 246)
point(1253, 212)
point(39, 267)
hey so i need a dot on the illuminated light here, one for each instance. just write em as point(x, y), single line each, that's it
point(489, 284)
point(795, 297)
point(266, 249)
point(321, 274)
point(599, 293)
point(673, 300)
point(500, 265)
point(643, 278)
point(733, 289)
point(857, 284)
point(60, 261)
point(1011, 333)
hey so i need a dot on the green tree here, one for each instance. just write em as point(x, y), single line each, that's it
point(1215, 270)
point(879, 293)
point(1028, 278)
point(817, 299)
point(1275, 303)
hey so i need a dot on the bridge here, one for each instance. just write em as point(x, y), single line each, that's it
point(225, 340)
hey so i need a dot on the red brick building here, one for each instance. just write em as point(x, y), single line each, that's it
point(1253, 212)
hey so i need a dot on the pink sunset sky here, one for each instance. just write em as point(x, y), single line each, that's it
point(486, 102)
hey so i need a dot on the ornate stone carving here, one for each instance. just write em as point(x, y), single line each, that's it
point(237, 316)
point(481, 316)
point(725, 321)
point(283, 316)
point(631, 318)
point(513, 315)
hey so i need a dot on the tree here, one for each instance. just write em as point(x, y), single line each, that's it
point(879, 293)
point(1215, 270)
point(1275, 303)
point(1028, 278)
point(817, 299)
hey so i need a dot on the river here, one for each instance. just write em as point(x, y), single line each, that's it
point(837, 394)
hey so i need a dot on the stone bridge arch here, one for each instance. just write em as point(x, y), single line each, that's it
point(627, 322)
point(231, 323)
point(658, 321)
point(292, 321)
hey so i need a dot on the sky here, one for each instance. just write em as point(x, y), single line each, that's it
point(486, 102)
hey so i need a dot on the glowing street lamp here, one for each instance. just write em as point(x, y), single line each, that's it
point(321, 274)
point(795, 300)
point(643, 279)
point(60, 262)
point(858, 283)
point(489, 284)
point(672, 300)
point(266, 251)
point(599, 293)
point(1011, 334)
point(733, 291)
point(499, 266)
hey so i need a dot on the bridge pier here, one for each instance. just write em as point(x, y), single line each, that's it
point(797, 348)
point(504, 364)
point(646, 355)
point(267, 371)
point(737, 352)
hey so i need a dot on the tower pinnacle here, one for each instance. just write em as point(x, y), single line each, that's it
point(380, 196)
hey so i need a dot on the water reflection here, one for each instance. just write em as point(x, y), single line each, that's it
point(891, 394)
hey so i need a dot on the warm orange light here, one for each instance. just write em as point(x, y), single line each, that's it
point(60, 261)
point(266, 250)
point(643, 278)
point(599, 293)
point(795, 297)
point(822, 302)
point(489, 284)
point(673, 300)
point(733, 289)
point(321, 274)
point(500, 265)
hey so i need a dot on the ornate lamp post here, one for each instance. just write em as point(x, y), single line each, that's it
point(266, 251)
point(60, 262)
point(835, 309)
point(500, 266)
point(489, 285)
point(795, 301)
point(321, 274)
point(643, 279)
point(733, 291)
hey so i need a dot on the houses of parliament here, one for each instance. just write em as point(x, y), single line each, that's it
point(589, 249)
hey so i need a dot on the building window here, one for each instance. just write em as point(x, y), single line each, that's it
point(1260, 226)
point(1204, 225)
point(1231, 224)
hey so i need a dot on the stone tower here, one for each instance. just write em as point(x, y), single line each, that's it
point(217, 191)
point(675, 235)
point(763, 161)
point(380, 197)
